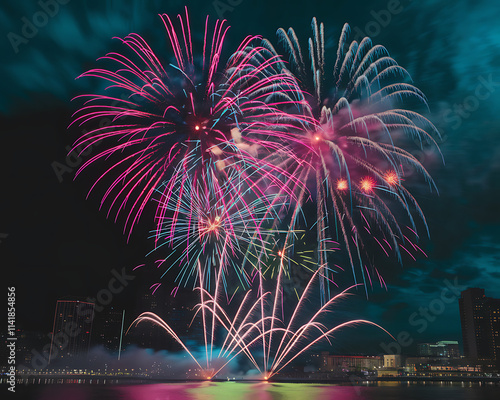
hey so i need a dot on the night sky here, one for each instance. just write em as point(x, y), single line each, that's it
point(55, 243)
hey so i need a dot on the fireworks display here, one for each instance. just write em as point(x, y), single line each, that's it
point(242, 158)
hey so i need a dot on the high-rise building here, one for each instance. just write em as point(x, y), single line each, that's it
point(147, 334)
point(108, 326)
point(480, 318)
point(176, 312)
point(26, 343)
point(72, 328)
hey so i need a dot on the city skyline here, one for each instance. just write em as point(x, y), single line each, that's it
point(107, 325)
point(442, 358)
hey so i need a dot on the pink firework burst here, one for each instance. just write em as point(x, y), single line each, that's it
point(175, 119)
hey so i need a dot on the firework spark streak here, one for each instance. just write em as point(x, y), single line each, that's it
point(253, 326)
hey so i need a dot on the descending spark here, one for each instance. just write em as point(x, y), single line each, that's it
point(155, 286)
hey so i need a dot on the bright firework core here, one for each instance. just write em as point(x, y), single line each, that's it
point(210, 226)
point(392, 178)
point(342, 184)
point(367, 184)
point(197, 125)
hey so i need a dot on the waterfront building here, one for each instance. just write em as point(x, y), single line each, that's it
point(72, 329)
point(480, 319)
point(338, 363)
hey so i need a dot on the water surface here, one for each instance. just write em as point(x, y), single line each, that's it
point(268, 391)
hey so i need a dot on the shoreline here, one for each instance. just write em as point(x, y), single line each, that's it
point(355, 381)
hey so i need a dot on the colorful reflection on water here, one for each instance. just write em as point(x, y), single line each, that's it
point(270, 391)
